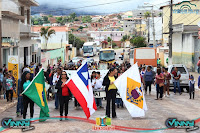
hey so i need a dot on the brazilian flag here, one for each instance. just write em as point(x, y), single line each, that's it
point(37, 93)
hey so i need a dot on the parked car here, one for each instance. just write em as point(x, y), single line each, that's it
point(88, 60)
point(75, 60)
point(184, 80)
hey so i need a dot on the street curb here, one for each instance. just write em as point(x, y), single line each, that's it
point(8, 106)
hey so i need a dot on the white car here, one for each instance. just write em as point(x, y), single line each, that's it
point(75, 60)
point(184, 80)
point(88, 60)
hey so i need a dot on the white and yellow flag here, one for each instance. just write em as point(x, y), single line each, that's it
point(129, 87)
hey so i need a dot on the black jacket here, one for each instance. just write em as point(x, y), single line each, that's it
point(106, 82)
point(58, 86)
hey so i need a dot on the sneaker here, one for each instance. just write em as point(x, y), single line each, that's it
point(164, 96)
point(174, 93)
point(167, 95)
point(149, 93)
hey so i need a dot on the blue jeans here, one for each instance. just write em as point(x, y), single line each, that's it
point(20, 104)
point(98, 101)
point(177, 84)
point(119, 102)
point(56, 101)
point(198, 69)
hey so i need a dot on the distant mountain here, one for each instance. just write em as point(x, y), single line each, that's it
point(57, 10)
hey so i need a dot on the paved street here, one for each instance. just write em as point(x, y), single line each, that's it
point(175, 106)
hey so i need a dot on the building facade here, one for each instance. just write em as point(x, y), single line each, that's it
point(17, 38)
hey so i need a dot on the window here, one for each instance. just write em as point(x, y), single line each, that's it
point(126, 25)
point(28, 16)
point(121, 34)
point(181, 69)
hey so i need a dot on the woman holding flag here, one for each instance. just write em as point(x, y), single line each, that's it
point(64, 94)
point(25, 82)
point(111, 91)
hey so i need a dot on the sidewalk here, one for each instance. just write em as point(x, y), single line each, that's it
point(4, 105)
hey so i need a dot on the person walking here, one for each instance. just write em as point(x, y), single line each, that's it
point(64, 94)
point(148, 79)
point(167, 77)
point(56, 77)
point(159, 84)
point(19, 100)
point(191, 86)
point(111, 91)
point(25, 82)
point(176, 75)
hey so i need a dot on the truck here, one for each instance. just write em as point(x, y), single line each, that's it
point(89, 49)
point(145, 55)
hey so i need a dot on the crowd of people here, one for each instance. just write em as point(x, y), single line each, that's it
point(56, 77)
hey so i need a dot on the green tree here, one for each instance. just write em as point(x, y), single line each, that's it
point(119, 17)
point(139, 41)
point(73, 16)
point(147, 14)
point(35, 22)
point(109, 39)
point(76, 19)
point(50, 16)
point(46, 33)
point(160, 14)
point(114, 44)
point(75, 41)
point(45, 19)
point(86, 19)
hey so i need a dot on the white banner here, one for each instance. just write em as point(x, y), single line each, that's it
point(102, 72)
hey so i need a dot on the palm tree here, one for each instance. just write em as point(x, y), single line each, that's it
point(46, 33)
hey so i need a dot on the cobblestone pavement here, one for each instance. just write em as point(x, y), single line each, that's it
point(176, 106)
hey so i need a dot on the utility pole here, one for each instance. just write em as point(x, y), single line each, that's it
point(1, 64)
point(140, 23)
point(170, 31)
point(148, 30)
point(154, 40)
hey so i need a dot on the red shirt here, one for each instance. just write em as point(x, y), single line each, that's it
point(65, 90)
point(158, 81)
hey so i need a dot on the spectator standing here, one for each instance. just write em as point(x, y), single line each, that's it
point(98, 87)
point(32, 69)
point(176, 75)
point(191, 86)
point(198, 66)
point(159, 84)
point(158, 62)
point(9, 85)
point(1, 81)
point(167, 77)
point(111, 91)
point(93, 78)
point(4, 68)
point(19, 100)
point(56, 77)
point(148, 79)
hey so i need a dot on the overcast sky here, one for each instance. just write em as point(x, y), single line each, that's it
point(116, 6)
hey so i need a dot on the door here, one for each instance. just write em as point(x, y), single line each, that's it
point(26, 56)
